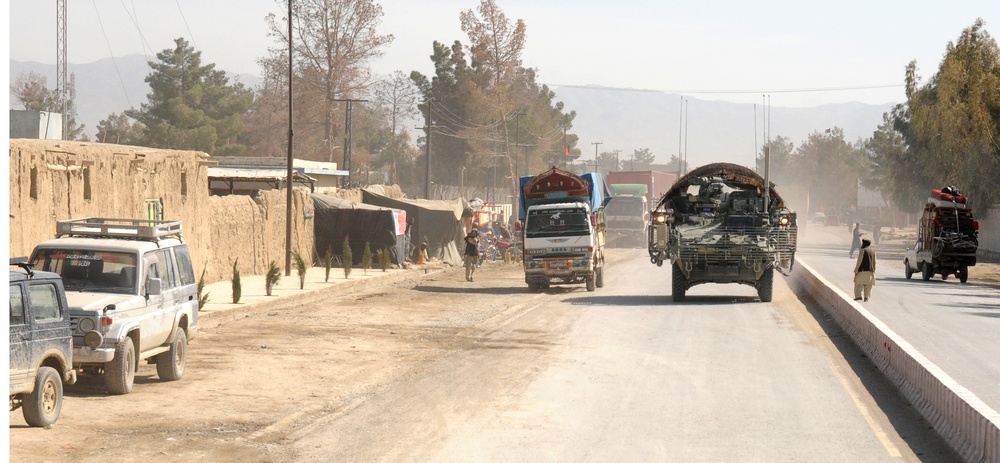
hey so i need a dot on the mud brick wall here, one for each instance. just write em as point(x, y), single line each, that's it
point(52, 180)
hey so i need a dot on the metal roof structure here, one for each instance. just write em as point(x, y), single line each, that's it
point(246, 179)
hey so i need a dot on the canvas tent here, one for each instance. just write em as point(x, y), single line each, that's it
point(437, 221)
point(336, 218)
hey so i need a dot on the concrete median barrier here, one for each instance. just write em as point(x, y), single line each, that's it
point(970, 426)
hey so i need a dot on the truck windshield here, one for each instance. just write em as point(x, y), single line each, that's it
point(556, 222)
point(625, 205)
point(95, 271)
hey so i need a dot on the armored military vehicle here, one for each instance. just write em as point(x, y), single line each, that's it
point(719, 224)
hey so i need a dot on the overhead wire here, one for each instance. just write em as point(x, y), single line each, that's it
point(193, 42)
point(720, 92)
point(135, 21)
point(113, 61)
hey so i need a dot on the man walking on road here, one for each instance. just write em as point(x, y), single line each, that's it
point(471, 253)
point(864, 272)
point(856, 239)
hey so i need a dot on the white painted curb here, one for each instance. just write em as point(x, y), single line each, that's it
point(970, 426)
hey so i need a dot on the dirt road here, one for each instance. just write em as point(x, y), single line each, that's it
point(258, 377)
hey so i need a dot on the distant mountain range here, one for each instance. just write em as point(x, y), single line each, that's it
point(619, 119)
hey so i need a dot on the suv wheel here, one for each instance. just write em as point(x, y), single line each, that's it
point(41, 408)
point(963, 274)
point(907, 269)
point(926, 271)
point(170, 364)
point(119, 374)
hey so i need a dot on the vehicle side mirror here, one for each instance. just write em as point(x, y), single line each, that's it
point(153, 287)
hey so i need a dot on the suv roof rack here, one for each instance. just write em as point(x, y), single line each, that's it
point(137, 229)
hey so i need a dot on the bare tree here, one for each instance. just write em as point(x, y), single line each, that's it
point(497, 44)
point(332, 43)
point(31, 91)
point(398, 96)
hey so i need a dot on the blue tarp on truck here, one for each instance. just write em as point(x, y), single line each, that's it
point(599, 195)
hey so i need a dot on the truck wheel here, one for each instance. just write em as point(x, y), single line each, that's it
point(119, 373)
point(591, 284)
point(41, 408)
point(170, 365)
point(963, 274)
point(600, 277)
point(926, 271)
point(679, 283)
point(532, 286)
point(907, 269)
point(765, 286)
point(944, 276)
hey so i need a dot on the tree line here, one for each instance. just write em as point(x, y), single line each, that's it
point(946, 133)
point(489, 119)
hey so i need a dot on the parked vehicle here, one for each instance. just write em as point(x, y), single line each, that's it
point(947, 238)
point(564, 228)
point(131, 292)
point(729, 229)
point(819, 218)
point(41, 346)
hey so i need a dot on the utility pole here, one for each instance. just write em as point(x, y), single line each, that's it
point(427, 167)
point(348, 162)
point(517, 145)
point(596, 156)
point(288, 179)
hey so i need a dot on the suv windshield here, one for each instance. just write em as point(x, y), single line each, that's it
point(94, 271)
point(555, 222)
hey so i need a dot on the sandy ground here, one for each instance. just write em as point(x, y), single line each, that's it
point(255, 375)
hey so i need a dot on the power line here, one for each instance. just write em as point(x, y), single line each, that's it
point(113, 62)
point(716, 92)
point(193, 42)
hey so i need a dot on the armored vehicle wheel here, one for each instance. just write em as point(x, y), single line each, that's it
point(170, 365)
point(41, 408)
point(119, 373)
point(944, 276)
point(926, 271)
point(679, 283)
point(532, 286)
point(963, 274)
point(600, 277)
point(765, 286)
point(907, 269)
point(591, 283)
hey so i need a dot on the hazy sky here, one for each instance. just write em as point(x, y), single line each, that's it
point(707, 49)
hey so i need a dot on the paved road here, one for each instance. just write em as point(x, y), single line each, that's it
point(956, 326)
point(624, 374)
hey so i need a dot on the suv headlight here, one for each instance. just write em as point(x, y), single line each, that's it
point(87, 324)
point(93, 339)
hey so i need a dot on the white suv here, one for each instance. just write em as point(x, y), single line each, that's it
point(132, 295)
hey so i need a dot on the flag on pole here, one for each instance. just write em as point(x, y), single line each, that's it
point(567, 149)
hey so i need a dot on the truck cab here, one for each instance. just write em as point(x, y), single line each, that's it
point(561, 245)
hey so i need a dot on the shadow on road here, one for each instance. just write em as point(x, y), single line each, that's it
point(658, 300)
point(500, 291)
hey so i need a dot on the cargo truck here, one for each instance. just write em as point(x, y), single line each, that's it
point(564, 228)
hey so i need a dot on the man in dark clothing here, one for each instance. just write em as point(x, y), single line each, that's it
point(864, 272)
point(471, 253)
point(856, 238)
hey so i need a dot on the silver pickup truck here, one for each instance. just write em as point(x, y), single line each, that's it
point(132, 295)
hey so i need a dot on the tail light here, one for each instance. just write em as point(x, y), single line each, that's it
point(975, 225)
